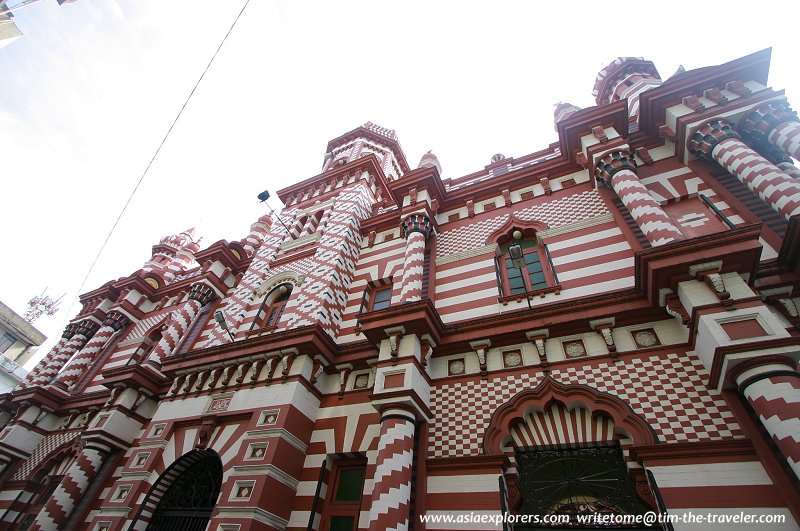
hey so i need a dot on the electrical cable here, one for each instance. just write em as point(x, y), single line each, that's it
point(149, 164)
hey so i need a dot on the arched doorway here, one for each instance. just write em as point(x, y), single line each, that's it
point(567, 445)
point(184, 496)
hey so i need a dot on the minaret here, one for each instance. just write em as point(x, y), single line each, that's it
point(625, 78)
point(430, 160)
point(166, 250)
point(363, 141)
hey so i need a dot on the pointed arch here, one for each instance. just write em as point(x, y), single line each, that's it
point(584, 413)
point(502, 236)
point(275, 280)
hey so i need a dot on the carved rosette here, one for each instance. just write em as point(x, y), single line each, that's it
point(705, 139)
point(417, 223)
point(765, 118)
point(612, 163)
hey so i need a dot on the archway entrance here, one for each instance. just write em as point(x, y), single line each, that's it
point(185, 494)
point(567, 444)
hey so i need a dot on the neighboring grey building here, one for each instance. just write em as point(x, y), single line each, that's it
point(18, 342)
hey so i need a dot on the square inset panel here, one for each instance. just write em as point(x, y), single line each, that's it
point(512, 358)
point(242, 490)
point(256, 451)
point(361, 381)
point(268, 417)
point(102, 526)
point(574, 348)
point(456, 367)
point(157, 430)
point(743, 329)
point(140, 460)
point(393, 380)
point(646, 337)
point(121, 493)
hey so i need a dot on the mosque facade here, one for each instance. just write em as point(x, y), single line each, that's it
point(605, 327)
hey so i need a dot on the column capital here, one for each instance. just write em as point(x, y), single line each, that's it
point(750, 371)
point(764, 118)
point(614, 162)
point(417, 223)
point(708, 135)
point(116, 320)
point(85, 327)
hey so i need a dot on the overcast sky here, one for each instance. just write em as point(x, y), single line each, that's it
point(88, 92)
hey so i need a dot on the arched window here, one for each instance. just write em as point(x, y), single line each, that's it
point(147, 345)
point(271, 310)
point(524, 266)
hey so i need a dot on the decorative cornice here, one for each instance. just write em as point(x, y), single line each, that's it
point(471, 253)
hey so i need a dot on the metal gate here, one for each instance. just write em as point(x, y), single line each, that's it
point(577, 481)
point(188, 502)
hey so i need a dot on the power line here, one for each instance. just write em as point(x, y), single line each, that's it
point(149, 164)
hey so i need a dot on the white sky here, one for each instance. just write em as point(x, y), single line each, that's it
point(90, 89)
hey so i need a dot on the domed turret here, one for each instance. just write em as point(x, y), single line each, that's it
point(625, 78)
point(429, 159)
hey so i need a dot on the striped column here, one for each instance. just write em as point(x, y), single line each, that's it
point(773, 390)
point(113, 323)
point(618, 169)
point(48, 358)
point(180, 321)
point(416, 229)
point(391, 493)
point(79, 335)
point(717, 141)
point(56, 512)
point(258, 233)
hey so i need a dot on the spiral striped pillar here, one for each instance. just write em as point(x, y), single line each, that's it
point(787, 137)
point(48, 358)
point(391, 493)
point(113, 323)
point(773, 390)
point(180, 321)
point(618, 169)
point(56, 512)
point(716, 140)
point(417, 229)
point(80, 334)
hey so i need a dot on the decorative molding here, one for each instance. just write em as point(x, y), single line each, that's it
point(300, 242)
point(471, 253)
point(572, 227)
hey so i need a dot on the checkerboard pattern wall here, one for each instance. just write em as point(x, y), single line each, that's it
point(553, 213)
point(667, 390)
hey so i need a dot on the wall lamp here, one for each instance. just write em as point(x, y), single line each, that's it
point(220, 318)
point(263, 196)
